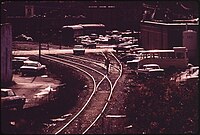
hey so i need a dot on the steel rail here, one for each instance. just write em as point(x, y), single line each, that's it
point(108, 97)
point(83, 58)
point(98, 63)
point(53, 57)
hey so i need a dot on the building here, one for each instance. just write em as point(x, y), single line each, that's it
point(28, 17)
point(162, 35)
point(6, 54)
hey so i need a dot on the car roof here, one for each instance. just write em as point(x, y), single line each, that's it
point(30, 61)
point(196, 67)
point(21, 58)
point(151, 65)
point(131, 54)
point(78, 45)
point(4, 90)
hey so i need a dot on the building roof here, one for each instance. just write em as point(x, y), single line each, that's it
point(155, 51)
point(73, 27)
point(172, 23)
point(92, 25)
point(81, 26)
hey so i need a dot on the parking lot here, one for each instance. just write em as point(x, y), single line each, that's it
point(36, 89)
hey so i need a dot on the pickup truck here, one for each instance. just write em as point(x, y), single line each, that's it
point(9, 100)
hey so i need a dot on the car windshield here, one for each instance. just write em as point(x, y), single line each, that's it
point(78, 46)
point(31, 64)
point(20, 58)
point(196, 72)
point(152, 67)
point(7, 93)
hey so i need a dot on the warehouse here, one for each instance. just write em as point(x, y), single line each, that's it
point(161, 35)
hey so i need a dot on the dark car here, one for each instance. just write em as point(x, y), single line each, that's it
point(126, 46)
point(9, 100)
point(17, 62)
point(122, 48)
point(32, 68)
point(90, 45)
point(128, 57)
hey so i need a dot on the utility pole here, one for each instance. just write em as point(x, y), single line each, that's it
point(39, 37)
point(60, 34)
point(39, 51)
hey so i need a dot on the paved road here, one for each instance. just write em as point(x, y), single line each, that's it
point(32, 48)
point(60, 51)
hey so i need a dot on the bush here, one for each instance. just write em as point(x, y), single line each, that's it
point(160, 106)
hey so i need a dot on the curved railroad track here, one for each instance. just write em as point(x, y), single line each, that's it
point(103, 86)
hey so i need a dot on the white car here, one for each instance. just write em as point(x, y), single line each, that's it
point(9, 100)
point(191, 74)
point(32, 67)
point(78, 50)
point(150, 70)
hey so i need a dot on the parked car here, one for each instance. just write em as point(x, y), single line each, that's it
point(9, 100)
point(193, 77)
point(32, 67)
point(191, 74)
point(93, 36)
point(128, 57)
point(136, 49)
point(126, 46)
point(78, 50)
point(23, 37)
point(148, 70)
point(17, 62)
point(118, 48)
point(133, 64)
point(89, 44)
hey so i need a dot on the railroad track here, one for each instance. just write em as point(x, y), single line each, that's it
point(95, 105)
